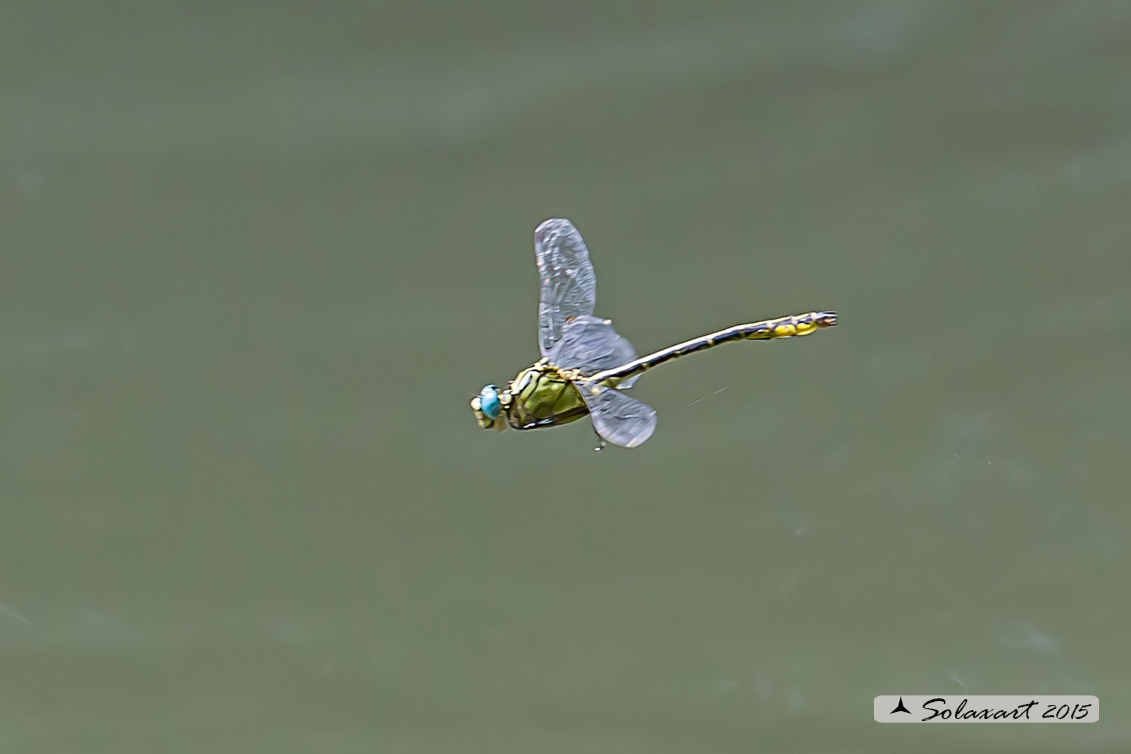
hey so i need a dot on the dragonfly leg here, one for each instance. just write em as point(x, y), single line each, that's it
point(600, 441)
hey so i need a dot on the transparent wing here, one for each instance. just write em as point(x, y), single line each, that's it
point(618, 418)
point(569, 285)
point(591, 345)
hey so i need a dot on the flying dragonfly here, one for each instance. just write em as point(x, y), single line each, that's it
point(585, 365)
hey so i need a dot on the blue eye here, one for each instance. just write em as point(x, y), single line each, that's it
point(489, 401)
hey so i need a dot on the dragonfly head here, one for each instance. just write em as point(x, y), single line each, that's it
point(488, 408)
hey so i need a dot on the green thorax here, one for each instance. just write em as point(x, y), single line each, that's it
point(542, 396)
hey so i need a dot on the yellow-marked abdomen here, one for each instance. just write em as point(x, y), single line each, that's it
point(789, 327)
point(770, 329)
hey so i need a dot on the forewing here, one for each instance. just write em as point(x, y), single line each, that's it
point(590, 345)
point(618, 418)
point(569, 285)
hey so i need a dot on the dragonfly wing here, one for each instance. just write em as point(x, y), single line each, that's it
point(590, 345)
point(569, 285)
point(620, 419)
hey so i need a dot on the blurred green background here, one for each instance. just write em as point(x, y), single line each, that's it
point(256, 257)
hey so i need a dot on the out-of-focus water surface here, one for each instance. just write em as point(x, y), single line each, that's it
point(256, 258)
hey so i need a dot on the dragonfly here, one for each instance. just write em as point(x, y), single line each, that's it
point(586, 365)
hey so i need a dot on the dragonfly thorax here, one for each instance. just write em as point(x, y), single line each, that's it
point(541, 396)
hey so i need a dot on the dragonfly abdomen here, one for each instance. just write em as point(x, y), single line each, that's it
point(782, 327)
point(770, 329)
